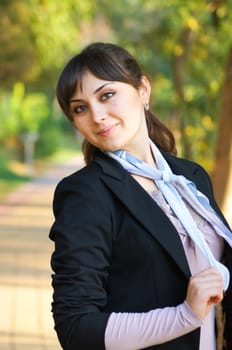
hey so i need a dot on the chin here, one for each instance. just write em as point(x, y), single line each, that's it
point(111, 148)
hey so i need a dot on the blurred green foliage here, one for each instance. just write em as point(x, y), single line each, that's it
point(22, 112)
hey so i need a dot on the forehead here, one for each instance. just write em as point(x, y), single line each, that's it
point(88, 83)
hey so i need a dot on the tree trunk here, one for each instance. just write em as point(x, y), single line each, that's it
point(222, 173)
point(185, 42)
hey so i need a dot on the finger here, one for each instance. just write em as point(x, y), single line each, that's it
point(210, 275)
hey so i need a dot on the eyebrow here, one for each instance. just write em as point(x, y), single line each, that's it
point(97, 90)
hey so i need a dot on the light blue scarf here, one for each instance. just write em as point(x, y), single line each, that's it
point(174, 188)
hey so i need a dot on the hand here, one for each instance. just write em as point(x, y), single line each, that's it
point(204, 289)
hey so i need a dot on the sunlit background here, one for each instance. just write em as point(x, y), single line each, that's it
point(185, 47)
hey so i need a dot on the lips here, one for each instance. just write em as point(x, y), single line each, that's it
point(106, 130)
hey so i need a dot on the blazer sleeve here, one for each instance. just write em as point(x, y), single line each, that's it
point(227, 259)
point(227, 302)
point(80, 261)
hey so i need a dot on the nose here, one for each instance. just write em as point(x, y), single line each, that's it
point(98, 113)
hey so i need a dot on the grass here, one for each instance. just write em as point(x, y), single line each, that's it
point(14, 173)
point(11, 174)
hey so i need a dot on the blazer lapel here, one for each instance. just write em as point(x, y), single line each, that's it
point(143, 208)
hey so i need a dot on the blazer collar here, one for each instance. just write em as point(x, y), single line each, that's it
point(148, 213)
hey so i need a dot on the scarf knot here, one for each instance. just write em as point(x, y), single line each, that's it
point(167, 177)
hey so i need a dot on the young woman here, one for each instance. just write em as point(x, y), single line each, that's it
point(142, 252)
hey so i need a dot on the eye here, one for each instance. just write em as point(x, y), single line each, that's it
point(107, 95)
point(79, 109)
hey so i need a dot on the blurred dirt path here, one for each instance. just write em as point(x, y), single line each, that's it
point(25, 249)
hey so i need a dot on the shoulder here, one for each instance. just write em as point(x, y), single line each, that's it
point(92, 174)
point(192, 171)
point(87, 174)
point(182, 165)
point(84, 187)
point(186, 167)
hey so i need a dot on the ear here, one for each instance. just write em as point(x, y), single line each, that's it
point(145, 90)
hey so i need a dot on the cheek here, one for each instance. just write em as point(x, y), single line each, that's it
point(84, 128)
point(79, 122)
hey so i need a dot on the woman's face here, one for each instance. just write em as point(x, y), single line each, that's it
point(110, 114)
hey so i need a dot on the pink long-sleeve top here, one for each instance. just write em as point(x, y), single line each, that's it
point(132, 331)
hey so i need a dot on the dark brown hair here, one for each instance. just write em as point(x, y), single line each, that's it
point(113, 63)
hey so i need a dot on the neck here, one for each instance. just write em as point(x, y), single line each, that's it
point(145, 154)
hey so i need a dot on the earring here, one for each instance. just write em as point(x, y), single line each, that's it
point(146, 107)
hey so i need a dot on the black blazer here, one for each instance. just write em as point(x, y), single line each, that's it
point(115, 250)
